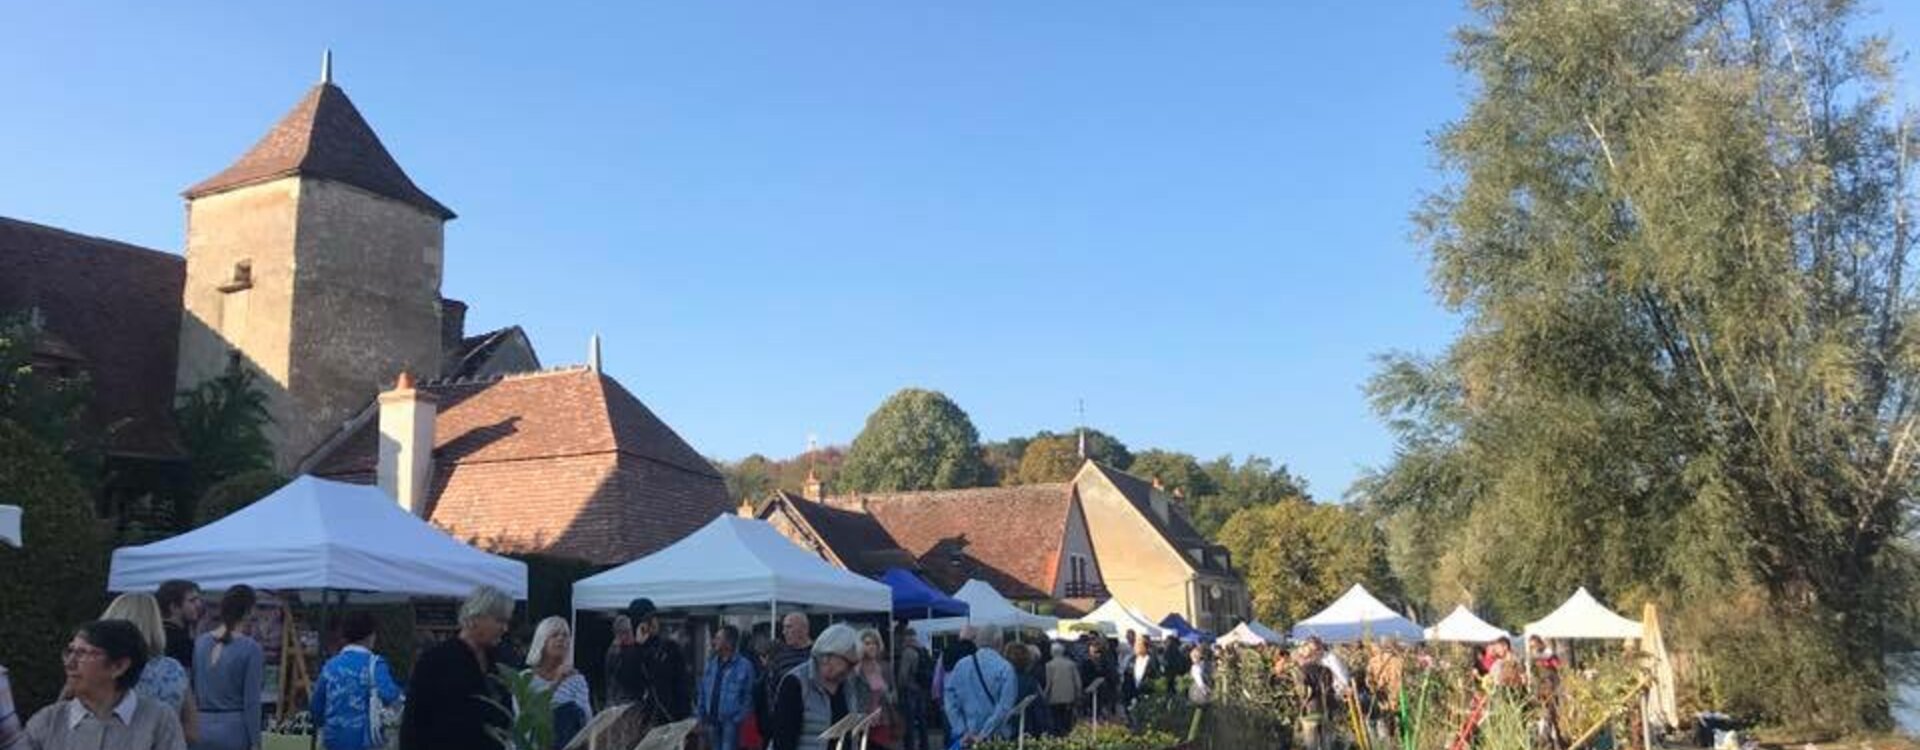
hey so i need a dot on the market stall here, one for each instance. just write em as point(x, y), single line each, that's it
point(1357, 616)
point(1114, 619)
point(1251, 634)
point(913, 597)
point(1178, 626)
point(988, 607)
point(733, 564)
point(1463, 626)
point(1583, 617)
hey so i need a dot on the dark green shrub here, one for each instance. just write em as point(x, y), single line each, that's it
point(58, 580)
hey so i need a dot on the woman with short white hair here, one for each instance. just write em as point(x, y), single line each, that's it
point(452, 700)
point(550, 664)
point(817, 693)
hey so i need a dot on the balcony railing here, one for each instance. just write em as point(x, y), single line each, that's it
point(1085, 590)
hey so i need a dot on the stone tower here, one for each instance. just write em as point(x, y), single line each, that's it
point(316, 261)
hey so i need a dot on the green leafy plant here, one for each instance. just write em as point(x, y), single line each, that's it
point(533, 720)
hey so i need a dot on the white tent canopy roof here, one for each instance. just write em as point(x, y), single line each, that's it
point(1356, 615)
point(10, 524)
point(1250, 634)
point(1463, 626)
point(315, 534)
point(733, 563)
point(989, 608)
point(1584, 617)
point(1114, 618)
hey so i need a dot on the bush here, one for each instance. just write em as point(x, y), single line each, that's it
point(59, 580)
point(234, 493)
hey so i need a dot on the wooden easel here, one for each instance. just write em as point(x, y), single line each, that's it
point(296, 685)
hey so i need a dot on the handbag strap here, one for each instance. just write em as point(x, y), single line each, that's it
point(982, 677)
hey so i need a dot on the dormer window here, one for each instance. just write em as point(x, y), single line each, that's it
point(242, 278)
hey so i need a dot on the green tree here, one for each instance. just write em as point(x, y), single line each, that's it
point(1003, 459)
point(55, 582)
point(48, 404)
point(917, 440)
point(1249, 483)
point(1678, 234)
point(1049, 459)
point(233, 493)
point(1297, 556)
point(222, 423)
point(1174, 471)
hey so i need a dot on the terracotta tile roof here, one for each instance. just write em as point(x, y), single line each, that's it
point(1010, 537)
point(323, 136)
point(1176, 528)
point(116, 308)
point(561, 462)
point(861, 543)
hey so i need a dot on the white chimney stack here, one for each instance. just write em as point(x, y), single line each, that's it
point(407, 415)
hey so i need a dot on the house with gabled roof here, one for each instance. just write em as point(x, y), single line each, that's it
point(1030, 541)
point(1072, 544)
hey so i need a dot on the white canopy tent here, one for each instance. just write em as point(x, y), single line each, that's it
point(1114, 619)
point(10, 524)
point(1250, 634)
point(319, 535)
point(1355, 616)
point(1463, 626)
point(1584, 617)
point(733, 564)
point(989, 608)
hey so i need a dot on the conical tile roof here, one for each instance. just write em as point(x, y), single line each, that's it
point(323, 136)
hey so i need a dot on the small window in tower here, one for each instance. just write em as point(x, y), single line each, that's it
point(242, 279)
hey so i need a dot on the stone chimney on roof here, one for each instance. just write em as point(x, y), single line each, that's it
point(407, 416)
point(814, 489)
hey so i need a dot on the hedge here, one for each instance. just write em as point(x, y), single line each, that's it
point(58, 580)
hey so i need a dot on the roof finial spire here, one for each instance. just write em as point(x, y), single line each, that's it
point(593, 353)
point(326, 66)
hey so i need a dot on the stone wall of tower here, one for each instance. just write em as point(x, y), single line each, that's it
point(252, 228)
point(366, 303)
point(345, 295)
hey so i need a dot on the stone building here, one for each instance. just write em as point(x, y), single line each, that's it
point(316, 261)
point(1065, 546)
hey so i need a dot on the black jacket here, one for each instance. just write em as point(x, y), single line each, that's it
point(447, 698)
point(1131, 688)
point(655, 677)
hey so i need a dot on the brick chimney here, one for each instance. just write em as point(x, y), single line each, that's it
point(407, 415)
point(814, 489)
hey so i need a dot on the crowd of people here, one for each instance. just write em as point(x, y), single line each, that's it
point(140, 679)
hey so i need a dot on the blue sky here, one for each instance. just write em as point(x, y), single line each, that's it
point(1193, 216)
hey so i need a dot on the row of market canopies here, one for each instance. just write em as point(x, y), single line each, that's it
point(316, 535)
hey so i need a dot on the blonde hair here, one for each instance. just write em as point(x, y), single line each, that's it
point(537, 650)
point(144, 612)
point(874, 634)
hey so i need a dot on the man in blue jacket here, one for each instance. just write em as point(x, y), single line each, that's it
point(726, 691)
point(980, 692)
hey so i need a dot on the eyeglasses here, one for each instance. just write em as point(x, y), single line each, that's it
point(71, 654)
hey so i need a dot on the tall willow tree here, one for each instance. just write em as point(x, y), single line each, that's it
point(1678, 234)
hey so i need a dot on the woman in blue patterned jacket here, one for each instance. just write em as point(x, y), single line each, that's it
point(341, 694)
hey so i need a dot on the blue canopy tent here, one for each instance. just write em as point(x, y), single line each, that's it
point(1183, 629)
point(914, 599)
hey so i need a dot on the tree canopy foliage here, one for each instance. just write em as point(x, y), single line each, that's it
point(1678, 234)
point(917, 440)
point(1299, 555)
point(756, 477)
point(222, 423)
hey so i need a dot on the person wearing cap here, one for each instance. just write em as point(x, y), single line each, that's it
point(816, 694)
point(653, 671)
